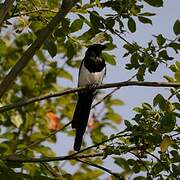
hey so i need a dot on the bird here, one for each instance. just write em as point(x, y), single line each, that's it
point(91, 73)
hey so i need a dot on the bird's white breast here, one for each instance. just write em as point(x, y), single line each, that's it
point(87, 78)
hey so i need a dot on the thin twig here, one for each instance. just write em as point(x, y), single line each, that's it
point(73, 90)
point(34, 11)
point(126, 40)
point(100, 167)
point(159, 160)
point(142, 162)
point(43, 139)
point(50, 170)
point(61, 158)
point(98, 144)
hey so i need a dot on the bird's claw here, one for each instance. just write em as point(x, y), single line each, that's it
point(92, 87)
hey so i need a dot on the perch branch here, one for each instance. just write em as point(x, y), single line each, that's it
point(100, 167)
point(74, 90)
point(48, 159)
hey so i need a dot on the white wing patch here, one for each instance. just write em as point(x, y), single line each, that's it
point(88, 78)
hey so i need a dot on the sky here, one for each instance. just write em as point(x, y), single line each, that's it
point(133, 96)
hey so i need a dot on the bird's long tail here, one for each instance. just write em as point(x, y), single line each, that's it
point(80, 118)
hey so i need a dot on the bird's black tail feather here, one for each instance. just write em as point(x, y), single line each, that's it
point(81, 116)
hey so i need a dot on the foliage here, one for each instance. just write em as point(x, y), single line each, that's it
point(147, 148)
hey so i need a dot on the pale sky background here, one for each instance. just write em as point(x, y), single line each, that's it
point(132, 96)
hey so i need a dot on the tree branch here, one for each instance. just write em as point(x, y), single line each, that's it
point(142, 162)
point(159, 160)
point(48, 159)
point(62, 158)
point(5, 9)
point(35, 11)
point(98, 144)
point(14, 157)
point(74, 90)
point(29, 53)
point(43, 139)
point(100, 167)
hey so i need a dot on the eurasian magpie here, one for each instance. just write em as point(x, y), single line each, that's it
point(91, 73)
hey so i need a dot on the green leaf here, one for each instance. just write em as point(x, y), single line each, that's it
point(95, 174)
point(109, 22)
point(99, 38)
point(167, 122)
point(144, 20)
point(128, 124)
point(110, 46)
point(132, 25)
point(175, 46)
point(177, 64)
point(176, 170)
point(155, 3)
point(160, 40)
point(174, 153)
point(122, 163)
point(2, 47)
point(177, 105)
point(109, 58)
point(59, 33)
point(16, 120)
point(173, 68)
point(85, 20)
point(51, 47)
point(76, 25)
point(95, 20)
point(134, 60)
point(8, 135)
point(164, 55)
point(65, 25)
point(116, 102)
point(165, 143)
point(36, 136)
point(141, 73)
point(97, 136)
point(65, 74)
point(36, 25)
point(147, 14)
point(159, 100)
point(176, 27)
point(114, 117)
point(169, 79)
point(5, 170)
point(157, 168)
point(177, 76)
point(140, 178)
point(45, 151)
point(156, 138)
point(88, 35)
point(131, 47)
point(67, 177)
point(146, 106)
point(136, 168)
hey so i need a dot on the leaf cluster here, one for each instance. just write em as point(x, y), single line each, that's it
point(149, 143)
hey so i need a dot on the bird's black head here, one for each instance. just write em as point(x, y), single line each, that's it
point(95, 49)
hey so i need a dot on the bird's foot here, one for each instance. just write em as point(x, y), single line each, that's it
point(92, 86)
